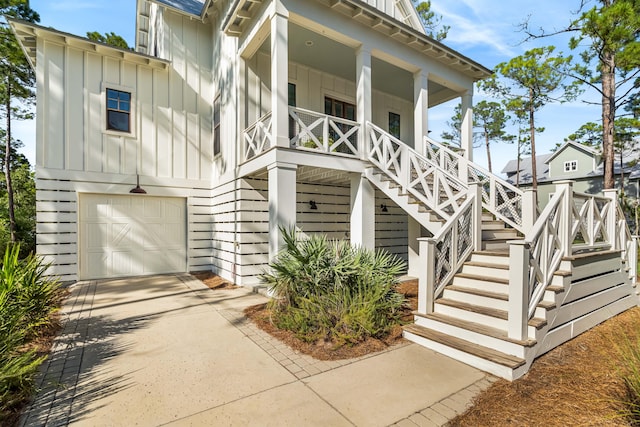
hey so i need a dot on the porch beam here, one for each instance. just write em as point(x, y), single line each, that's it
point(279, 79)
point(466, 133)
point(363, 202)
point(420, 109)
point(364, 111)
point(282, 203)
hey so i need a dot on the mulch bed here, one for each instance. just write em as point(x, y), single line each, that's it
point(213, 281)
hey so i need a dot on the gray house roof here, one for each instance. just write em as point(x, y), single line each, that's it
point(190, 7)
point(526, 175)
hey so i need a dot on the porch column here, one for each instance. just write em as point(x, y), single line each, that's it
point(415, 262)
point(279, 78)
point(242, 109)
point(420, 110)
point(363, 215)
point(466, 131)
point(363, 94)
point(282, 203)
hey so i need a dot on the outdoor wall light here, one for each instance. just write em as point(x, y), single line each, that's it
point(137, 189)
point(312, 205)
point(383, 208)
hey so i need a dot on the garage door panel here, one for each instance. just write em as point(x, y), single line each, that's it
point(131, 235)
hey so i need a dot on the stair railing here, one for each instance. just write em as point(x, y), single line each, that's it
point(258, 137)
point(570, 222)
point(627, 243)
point(417, 175)
point(499, 197)
point(449, 249)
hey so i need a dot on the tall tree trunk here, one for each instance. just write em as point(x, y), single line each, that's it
point(532, 130)
point(7, 163)
point(608, 116)
point(486, 141)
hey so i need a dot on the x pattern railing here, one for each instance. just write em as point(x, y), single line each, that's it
point(417, 175)
point(589, 228)
point(258, 137)
point(312, 130)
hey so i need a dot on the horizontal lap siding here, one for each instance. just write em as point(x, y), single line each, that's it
point(57, 221)
point(241, 224)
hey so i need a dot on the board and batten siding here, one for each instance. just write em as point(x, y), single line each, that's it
point(171, 146)
point(241, 224)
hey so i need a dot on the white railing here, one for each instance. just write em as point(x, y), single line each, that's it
point(627, 243)
point(258, 137)
point(498, 196)
point(589, 228)
point(448, 250)
point(418, 176)
point(316, 131)
point(570, 222)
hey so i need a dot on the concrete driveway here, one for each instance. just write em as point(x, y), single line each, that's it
point(167, 350)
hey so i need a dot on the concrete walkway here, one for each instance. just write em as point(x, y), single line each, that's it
point(167, 350)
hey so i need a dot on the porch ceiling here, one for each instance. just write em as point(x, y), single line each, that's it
point(310, 174)
point(316, 51)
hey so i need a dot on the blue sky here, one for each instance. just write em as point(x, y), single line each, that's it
point(484, 30)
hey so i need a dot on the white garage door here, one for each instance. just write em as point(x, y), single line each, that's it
point(131, 235)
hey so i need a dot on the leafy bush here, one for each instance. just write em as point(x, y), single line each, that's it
point(329, 290)
point(27, 298)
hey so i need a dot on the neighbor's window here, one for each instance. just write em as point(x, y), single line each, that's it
point(216, 126)
point(118, 110)
point(571, 166)
point(394, 124)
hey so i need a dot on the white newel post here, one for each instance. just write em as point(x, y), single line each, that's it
point(420, 110)
point(363, 96)
point(476, 190)
point(414, 231)
point(363, 216)
point(566, 216)
point(427, 277)
point(282, 203)
point(280, 78)
point(518, 316)
point(633, 260)
point(529, 209)
point(466, 133)
point(612, 217)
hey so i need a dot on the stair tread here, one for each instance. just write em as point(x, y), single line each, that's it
point(487, 264)
point(476, 327)
point(466, 346)
point(482, 278)
point(590, 254)
point(493, 312)
point(479, 292)
point(492, 253)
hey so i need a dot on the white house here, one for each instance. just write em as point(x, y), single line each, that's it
point(233, 118)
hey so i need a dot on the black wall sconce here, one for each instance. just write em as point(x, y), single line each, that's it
point(312, 205)
point(137, 189)
point(383, 208)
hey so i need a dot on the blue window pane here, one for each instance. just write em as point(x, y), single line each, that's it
point(112, 94)
point(111, 104)
point(124, 96)
point(124, 106)
point(117, 121)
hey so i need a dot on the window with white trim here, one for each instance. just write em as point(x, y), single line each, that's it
point(571, 166)
point(216, 126)
point(118, 110)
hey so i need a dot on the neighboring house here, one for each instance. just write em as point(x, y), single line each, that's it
point(235, 118)
point(576, 162)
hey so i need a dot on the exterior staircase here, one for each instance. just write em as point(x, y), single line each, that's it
point(493, 295)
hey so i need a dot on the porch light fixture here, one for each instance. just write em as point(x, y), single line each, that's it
point(312, 205)
point(383, 208)
point(137, 189)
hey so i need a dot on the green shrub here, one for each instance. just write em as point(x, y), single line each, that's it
point(329, 290)
point(27, 299)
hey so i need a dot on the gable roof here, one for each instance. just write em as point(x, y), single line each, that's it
point(588, 150)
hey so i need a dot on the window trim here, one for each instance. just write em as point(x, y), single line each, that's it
point(570, 166)
point(133, 116)
point(217, 132)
